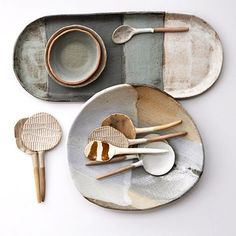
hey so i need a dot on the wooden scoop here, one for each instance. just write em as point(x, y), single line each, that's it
point(125, 125)
point(40, 133)
point(116, 138)
point(103, 151)
point(17, 131)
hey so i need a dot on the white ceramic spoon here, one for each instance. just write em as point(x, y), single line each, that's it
point(151, 163)
point(125, 32)
point(103, 151)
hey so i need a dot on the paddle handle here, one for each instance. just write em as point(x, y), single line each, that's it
point(42, 180)
point(170, 29)
point(117, 171)
point(157, 138)
point(35, 162)
point(113, 160)
point(158, 127)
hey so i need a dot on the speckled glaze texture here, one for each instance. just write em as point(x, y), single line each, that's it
point(182, 64)
point(193, 60)
point(135, 190)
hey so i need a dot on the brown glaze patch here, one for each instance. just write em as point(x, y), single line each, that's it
point(164, 109)
point(93, 152)
point(105, 150)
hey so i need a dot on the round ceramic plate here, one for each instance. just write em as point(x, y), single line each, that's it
point(135, 190)
point(103, 56)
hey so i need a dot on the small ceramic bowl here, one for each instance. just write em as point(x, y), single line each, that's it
point(72, 56)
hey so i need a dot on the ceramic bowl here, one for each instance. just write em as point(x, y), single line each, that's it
point(135, 190)
point(72, 56)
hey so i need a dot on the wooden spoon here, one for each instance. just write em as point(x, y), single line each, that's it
point(17, 131)
point(103, 151)
point(40, 133)
point(116, 138)
point(152, 165)
point(124, 33)
point(125, 125)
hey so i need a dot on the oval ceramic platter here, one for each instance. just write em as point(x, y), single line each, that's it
point(182, 64)
point(135, 190)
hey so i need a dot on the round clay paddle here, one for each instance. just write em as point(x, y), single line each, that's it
point(17, 131)
point(151, 163)
point(125, 125)
point(118, 139)
point(103, 151)
point(40, 133)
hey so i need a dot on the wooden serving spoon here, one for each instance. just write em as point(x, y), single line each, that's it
point(124, 33)
point(125, 125)
point(40, 133)
point(17, 131)
point(118, 139)
point(103, 151)
point(152, 165)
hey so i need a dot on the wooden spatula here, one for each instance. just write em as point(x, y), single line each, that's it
point(40, 133)
point(17, 131)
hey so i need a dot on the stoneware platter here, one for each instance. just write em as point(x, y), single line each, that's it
point(135, 190)
point(182, 64)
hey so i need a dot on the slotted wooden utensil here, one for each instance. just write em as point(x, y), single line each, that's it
point(17, 131)
point(125, 125)
point(115, 137)
point(41, 133)
point(103, 151)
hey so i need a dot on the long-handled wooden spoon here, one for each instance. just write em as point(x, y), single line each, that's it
point(103, 151)
point(125, 125)
point(17, 131)
point(118, 139)
point(152, 165)
point(124, 33)
point(40, 133)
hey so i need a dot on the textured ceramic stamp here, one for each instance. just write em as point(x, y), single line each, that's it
point(135, 190)
point(182, 64)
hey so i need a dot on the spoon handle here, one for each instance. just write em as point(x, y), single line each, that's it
point(120, 151)
point(42, 174)
point(155, 139)
point(158, 127)
point(120, 170)
point(35, 162)
point(113, 160)
point(170, 29)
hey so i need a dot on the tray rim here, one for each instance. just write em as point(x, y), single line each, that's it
point(84, 98)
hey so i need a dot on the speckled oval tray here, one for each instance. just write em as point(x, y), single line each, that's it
point(182, 64)
point(135, 190)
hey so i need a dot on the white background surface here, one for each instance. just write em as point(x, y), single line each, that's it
point(209, 209)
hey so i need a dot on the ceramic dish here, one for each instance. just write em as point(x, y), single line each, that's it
point(182, 64)
point(135, 190)
point(72, 56)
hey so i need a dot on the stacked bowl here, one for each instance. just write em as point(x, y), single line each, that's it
point(75, 56)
